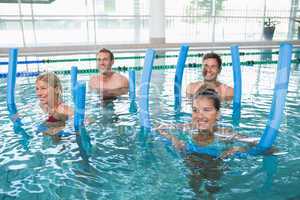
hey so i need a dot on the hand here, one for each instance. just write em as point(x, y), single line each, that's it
point(164, 133)
point(178, 144)
point(231, 151)
point(161, 127)
point(88, 121)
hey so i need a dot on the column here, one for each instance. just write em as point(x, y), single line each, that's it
point(157, 22)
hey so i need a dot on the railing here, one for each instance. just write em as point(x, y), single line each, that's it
point(138, 48)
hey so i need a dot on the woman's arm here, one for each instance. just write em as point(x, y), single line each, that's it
point(172, 126)
point(232, 151)
point(178, 144)
point(229, 135)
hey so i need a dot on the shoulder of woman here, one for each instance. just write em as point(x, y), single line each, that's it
point(65, 109)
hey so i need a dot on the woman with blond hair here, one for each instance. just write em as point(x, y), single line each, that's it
point(49, 92)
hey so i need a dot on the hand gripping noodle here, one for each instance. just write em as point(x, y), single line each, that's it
point(278, 102)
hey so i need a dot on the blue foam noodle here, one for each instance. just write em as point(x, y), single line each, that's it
point(144, 88)
point(237, 81)
point(11, 76)
point(190, 148)
point(279, 96)
point(131, 84)
point(74, 72)
point(80, 93)
point(178, 75)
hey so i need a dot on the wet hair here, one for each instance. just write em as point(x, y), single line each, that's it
point(52, 80)
point(211, 94)
point(104, 50)
point(214, 56)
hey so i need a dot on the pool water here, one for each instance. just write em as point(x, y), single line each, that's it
point(125, 162)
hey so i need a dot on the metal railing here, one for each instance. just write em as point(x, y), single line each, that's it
point(138, 48)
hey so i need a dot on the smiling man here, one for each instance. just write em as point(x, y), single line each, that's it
point(108, 83)
point(212, 66)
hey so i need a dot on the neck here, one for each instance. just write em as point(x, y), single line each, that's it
point(209, 131)
point(212, 83)
point(204, 137)
point(53, 106)
point(107, 73)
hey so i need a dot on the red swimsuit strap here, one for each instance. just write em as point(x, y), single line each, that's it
point(52, 119)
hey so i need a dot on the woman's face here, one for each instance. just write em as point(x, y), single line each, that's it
point(204, 114)
point(46, 94)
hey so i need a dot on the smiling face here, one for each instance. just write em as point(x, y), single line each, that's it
point(46, 93)
point(104, 62)
point(48, 89)
point(204, 114)
point(211, 69)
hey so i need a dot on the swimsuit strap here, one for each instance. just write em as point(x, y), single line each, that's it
point(51, 118)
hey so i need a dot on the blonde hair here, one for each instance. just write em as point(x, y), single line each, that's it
point(52, 80)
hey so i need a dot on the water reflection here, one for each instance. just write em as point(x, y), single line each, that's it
point(84, 143)
point(204, 176)
point(269, 167)
point(133, 107)
point(266, 55)
point(17, 126)
point(18, 129)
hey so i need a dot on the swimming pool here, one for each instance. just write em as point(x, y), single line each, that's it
point(127, 163)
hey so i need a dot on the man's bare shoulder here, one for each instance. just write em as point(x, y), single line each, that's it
point(226, 92)
point(118, 75)
point(193, 87)
point(94, 82)
point(195, 83)
point(94, 78)
point(226, 87)
point(123, 79)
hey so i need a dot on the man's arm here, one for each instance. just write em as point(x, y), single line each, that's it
point(92, 83)
point(111, 93)
point(121, 88)
point(189, 90)
point(229, 93)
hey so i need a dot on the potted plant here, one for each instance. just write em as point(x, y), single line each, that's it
point(269, 28)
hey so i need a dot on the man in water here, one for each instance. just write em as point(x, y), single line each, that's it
point(108, 83)
point(212, 66)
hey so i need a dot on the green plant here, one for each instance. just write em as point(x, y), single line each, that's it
point(202, 10)
point(270, 23)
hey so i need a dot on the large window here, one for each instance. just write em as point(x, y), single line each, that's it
point(64, 22)
point(226, 20)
